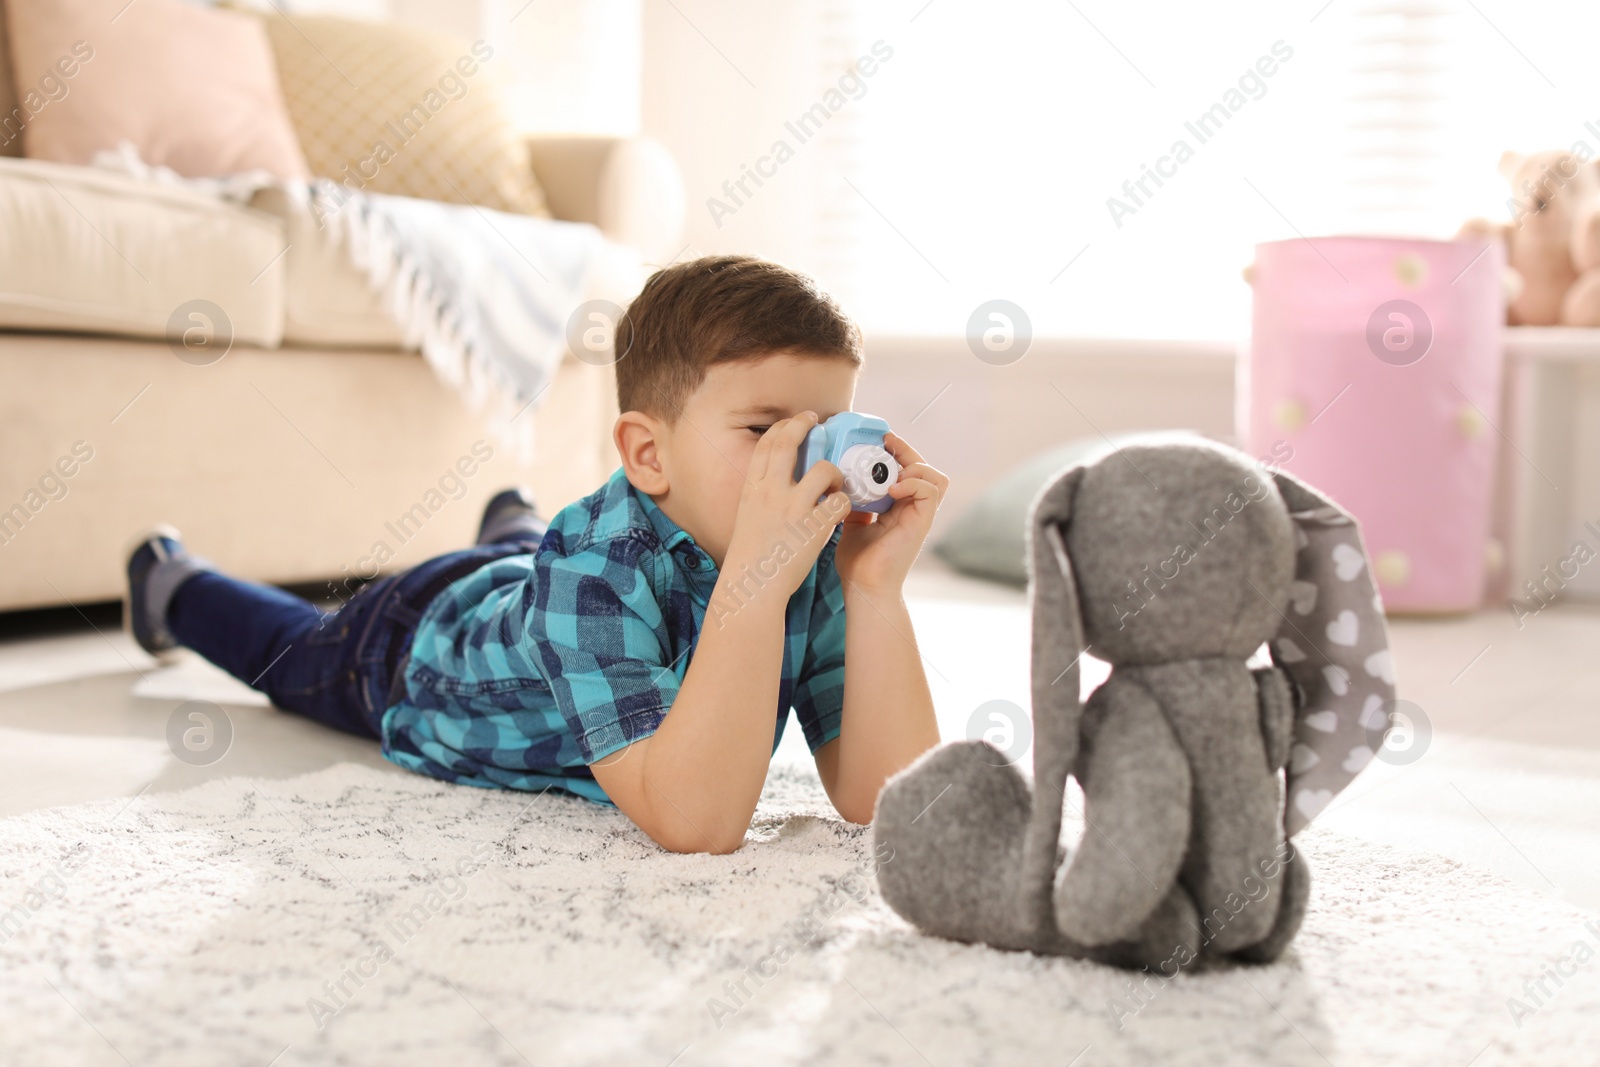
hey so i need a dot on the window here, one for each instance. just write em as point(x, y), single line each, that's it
point(1108, 167)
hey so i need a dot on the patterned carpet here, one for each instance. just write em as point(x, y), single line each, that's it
point(356, 916)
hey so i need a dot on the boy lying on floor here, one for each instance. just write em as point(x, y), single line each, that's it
point(636, 650)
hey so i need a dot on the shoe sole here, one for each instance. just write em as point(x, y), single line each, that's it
point(132, 545)
point(483, 520)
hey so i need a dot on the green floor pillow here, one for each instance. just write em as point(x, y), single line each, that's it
point(987, 541)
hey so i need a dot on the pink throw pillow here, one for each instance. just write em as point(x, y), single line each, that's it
point(191, 88)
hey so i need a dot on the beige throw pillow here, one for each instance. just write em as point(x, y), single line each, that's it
point(391, 109)
point(192, 89)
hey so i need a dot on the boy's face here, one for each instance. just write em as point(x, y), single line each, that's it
point(705, 454)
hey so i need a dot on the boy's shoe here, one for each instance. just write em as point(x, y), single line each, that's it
point(510, 513)
point(157, 564)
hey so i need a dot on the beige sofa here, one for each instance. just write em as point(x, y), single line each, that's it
point(315, 448)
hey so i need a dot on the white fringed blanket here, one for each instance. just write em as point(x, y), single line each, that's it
point(486, 295)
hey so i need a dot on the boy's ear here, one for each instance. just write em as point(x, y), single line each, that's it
point(638, 440)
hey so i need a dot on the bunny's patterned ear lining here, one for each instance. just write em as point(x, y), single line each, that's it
point(1334, 644)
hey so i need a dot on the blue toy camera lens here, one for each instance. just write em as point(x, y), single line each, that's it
point(854, 441)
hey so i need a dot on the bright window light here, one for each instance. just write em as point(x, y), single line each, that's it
point(1108, 167)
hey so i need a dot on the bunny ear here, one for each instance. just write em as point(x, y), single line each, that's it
point(1057, 632)
point(1334, 643)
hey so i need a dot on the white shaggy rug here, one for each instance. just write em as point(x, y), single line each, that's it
point(354, 916)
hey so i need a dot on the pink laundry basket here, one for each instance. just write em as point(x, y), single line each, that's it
point(1374, 374)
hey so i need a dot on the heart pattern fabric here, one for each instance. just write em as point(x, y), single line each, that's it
point(1348, 561)
point(1334, 643)
point(1302, 595)
point(1344, 630)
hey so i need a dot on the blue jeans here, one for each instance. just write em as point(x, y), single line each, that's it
point(342, 668)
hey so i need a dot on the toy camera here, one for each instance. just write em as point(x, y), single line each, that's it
point(853, 442)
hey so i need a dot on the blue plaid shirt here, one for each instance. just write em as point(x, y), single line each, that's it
point(534, 666)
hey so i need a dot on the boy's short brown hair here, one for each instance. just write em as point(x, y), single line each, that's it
point(715, 310)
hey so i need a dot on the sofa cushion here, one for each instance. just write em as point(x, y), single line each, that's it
point(190, 88)
point(327, 300)
point(12, 119)
point(99, 252)
point(391, 109)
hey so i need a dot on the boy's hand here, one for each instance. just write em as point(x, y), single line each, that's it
point(782, 526)
point(875, 557)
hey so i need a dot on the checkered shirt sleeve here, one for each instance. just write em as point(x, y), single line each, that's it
point(597, 632)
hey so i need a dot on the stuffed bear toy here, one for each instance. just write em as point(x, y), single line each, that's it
point(1174, 561)
point(1553, 240)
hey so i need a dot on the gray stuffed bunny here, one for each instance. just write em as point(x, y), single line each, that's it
point(1174, 562)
